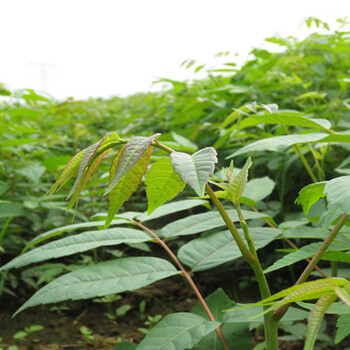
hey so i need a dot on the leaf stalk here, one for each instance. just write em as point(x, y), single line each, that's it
point(188, 278)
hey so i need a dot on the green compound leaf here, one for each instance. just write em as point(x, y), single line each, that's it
point(125, 346)
point(81, 161)
point(89, 156)
point(306, 232)
point(162, 184)
point(203, 222)
point(303, 253)
point(127, 184)
point(171, 208)
point(278, 143)
point(84, 164)
point(315, 318)
point(180, 331)
point(305, 291)
point(195, 170)
point(237, 335)
point(285, 118)
point(217, 302)
point(184, 142)
point(343, 328)
point(84, 179)
point(310, 194)
point(217, 248)
point(258, 189)
point(115, 276)
point(57, 231)
point(281, 143)
point(254, 315)
point(78, 243)
point(129, 156)
point(338, 192)
point(70, 170)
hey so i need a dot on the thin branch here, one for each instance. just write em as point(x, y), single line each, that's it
point(188, 278)
point(292, 244)
point(279, 313)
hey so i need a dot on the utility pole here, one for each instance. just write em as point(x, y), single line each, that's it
point(44, 71)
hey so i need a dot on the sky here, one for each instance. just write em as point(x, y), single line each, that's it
point(90, 48)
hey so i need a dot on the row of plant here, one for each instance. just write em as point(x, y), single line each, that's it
point(288, 110)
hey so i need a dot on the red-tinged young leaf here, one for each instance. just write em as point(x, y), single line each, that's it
point(85, 178)
point(162, 183)
point(82, 166)
point(127, 184)
point(70, 170)
point(130, 154)
point(89, 155)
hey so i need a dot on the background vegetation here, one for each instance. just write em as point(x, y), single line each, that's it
point(227, 110)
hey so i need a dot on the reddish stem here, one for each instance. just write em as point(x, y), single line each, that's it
point(188, 278)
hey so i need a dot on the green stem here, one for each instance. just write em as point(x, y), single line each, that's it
point(2, 281)
point(334, 268)
point(306, 164)
point(188, 278)
point(247, 255)
point(306, 273)
point(3, 231)
point(279, 313)
point(245, 229)
point(321, 174)
point(271, 324)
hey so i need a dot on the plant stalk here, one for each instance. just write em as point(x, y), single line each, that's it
point(279, 313)
point(247, 255)
point(271, 324)
point(306, 164)
point(188, 278)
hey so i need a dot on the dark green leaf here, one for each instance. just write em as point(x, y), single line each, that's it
point(115, 276)
point(178, 331)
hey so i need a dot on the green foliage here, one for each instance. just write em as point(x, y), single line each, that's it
point(178, 331)
point(279, 143)
point(315, 318)
point(194, 170)
point(217, 248)
point(78, 243)
point(338, 192)
point(256, 190)
point(293, 102)
point(127, 184)
point(236, 334)
point(309, 195)
point(342, 327)
point(305, 252)
point(114, 276)
point(162, 183)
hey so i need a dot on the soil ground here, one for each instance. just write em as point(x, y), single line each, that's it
point(63, 322)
